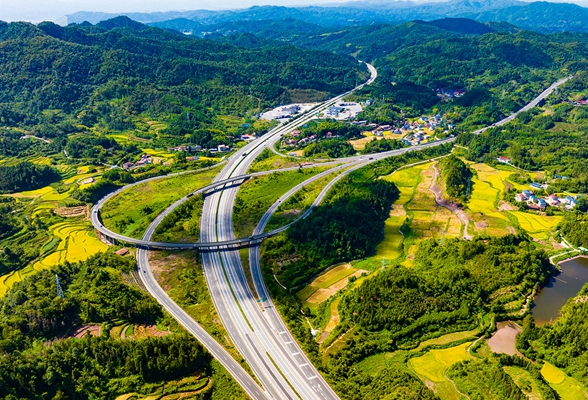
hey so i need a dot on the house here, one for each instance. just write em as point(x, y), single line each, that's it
point(542, 204)
point(122, 251)
point(329, 135)
point(532, 199)
point(291, 109)
point(536, 185)
point(521, 197)
point(223, 148)
point(553, 200)
point(503, 159)
point(334, 110)
point(527, 193)
point(570, 202)
point(128, 165)
point(248, 138)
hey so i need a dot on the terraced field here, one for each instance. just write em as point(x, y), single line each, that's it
point(538, 226)
point(76, 242)
point(433, 365)
point(567, 387)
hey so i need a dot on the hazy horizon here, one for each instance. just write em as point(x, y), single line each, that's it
point(41, 10)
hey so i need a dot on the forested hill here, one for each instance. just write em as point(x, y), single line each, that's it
point(150, 69)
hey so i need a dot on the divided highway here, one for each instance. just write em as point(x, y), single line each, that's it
point(256, 328)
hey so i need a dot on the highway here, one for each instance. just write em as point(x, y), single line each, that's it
point(255, 328)
point(277, 360)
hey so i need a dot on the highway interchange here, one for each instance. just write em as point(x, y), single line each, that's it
point(255, 327)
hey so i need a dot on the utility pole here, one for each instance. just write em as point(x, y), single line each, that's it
point(442, 236)
point(383, 263)
point(59, 290)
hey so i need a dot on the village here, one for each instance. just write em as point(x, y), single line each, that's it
point(409, 132)
point(539, 203)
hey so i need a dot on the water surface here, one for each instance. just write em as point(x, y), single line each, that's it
point(549, 301)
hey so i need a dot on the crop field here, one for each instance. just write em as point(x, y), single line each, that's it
point(432, 366)
point(567, 387)
point(446, 339)
point(326, 285)
point(538, 226)
point(76, 242)
point(131, 211)
point(524, 381)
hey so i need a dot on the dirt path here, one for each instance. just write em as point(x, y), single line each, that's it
point(451, 206)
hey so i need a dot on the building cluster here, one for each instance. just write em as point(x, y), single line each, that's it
point(447, 94)
point(294, 139)
point(414, 130)
point(145, 160)
point(287, 111)
point(540, 203)
point(343, 110)
point(582, 102)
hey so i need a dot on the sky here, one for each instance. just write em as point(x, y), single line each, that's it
point(53, 10)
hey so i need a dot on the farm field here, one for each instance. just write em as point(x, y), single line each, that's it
point(327, 284)
point(538, 226)
point(567, 387)
point(131, 211)
point(77, 242)
point(432, 366)
point(417, 203)
point(68, 235)
point(524, 381)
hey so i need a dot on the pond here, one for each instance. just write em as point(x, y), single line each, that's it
point(549, 301)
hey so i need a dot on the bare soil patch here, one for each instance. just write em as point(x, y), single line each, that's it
point(70, 212)
point(504, 339)
point(92, 330)
point(144, 331)
point(504, 206)
point(450, 205)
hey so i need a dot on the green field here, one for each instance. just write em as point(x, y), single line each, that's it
point(291, 209)
point(538, 226)
point(567, 387)
point(64, 239)
point(325, 280)
point(256, 195)
point(524, 381)
point(131, 211)
point(434, 364)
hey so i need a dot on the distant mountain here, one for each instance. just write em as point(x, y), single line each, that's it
point(537, 16)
